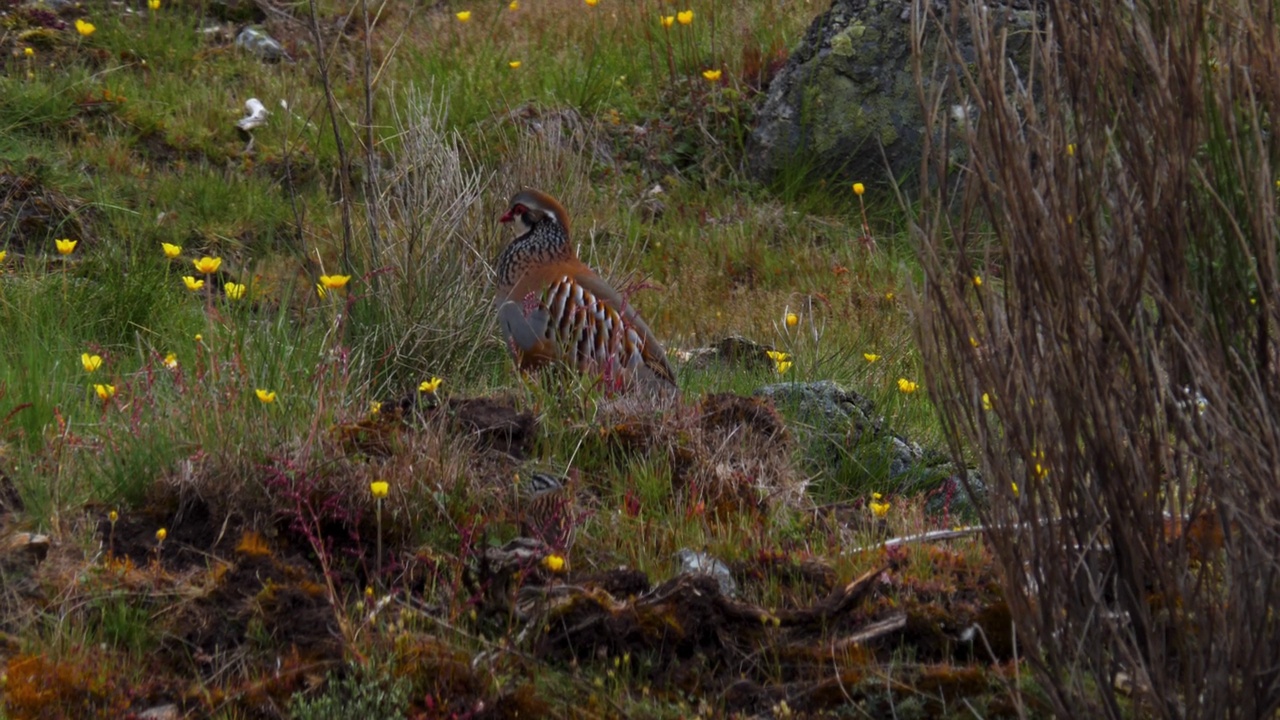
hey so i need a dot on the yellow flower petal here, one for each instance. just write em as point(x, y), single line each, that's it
point(65, 246)
point(906, 387)
point(207, 265)
point(171, 361)
point(85, 28)
point(792, 320)
point(29, 52)
point(171, 251)
point(685, 17)
point(234, 291)
point(90, 362)
point(711, 75)
point(105, 392)
point(514, 64)
point(859, 188)
point(669, 20)
point(554, 563)
point(161, 534)
point(430, 386)
point(592, 3)
point(464, 16)
point(153, 4)
point(267, 397)
point(192, 283)
point(870, 357)
point(379, 488)
point(514, 5)
point(333, 282)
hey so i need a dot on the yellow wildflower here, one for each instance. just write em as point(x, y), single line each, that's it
point(906, 387)
point(685, 17)
point(90, 362)
point(973, 341)
point(977, 281)
point(430, 386)
point(870, 357)
point(170, 250)
point(669, 20)
point(333, 282)
point(1071, 149)
point(986, 401)
point(711, 75)
point(113, 516)
point(554, 563)
point(777, 355)
point(858, 189)
point(321, 291)
point(792, 320)
point(161, 534)
point(1015, 489)
point(514, 64)
point(153, 4)
point(207, 265)
point(65, 246)
point(879, 509)
point(105, 392)
point(235, 291)
point(514, 5)
point(192, 283)
point(592, 3)
point(2, 254)
point(464, 16)
point(783, 367)
point(29, 52)
point(888, 296)
point(379, 488)
point(85, 28)
point(375, 407)
point(171, 361)
point(267, 397)
point(199, 337)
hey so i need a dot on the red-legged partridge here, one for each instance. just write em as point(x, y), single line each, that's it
point(553, 308)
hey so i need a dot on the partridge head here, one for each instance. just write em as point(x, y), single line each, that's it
point(553, 308)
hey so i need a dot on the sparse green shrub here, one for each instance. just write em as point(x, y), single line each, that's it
point(363, 691)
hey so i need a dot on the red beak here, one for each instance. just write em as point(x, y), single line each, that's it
point(509, 216)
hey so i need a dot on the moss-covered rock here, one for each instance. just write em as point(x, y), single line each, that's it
point(848, 92)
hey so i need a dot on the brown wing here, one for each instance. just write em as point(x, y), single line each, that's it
point(566, 305)
point(655, 358)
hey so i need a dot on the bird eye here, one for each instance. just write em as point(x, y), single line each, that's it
point(519, 209)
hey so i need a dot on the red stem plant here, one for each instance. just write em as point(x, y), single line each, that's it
point(1114, 187)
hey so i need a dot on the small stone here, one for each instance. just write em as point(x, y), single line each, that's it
point(161, 712)
point(695, 563)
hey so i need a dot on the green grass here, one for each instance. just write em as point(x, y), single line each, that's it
point(128, 135)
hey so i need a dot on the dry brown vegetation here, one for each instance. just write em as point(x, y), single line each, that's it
point(1118, 198)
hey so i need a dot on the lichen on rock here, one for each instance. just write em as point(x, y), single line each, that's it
point(846, 102)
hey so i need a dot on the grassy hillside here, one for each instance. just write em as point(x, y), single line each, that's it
point(199, 449)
